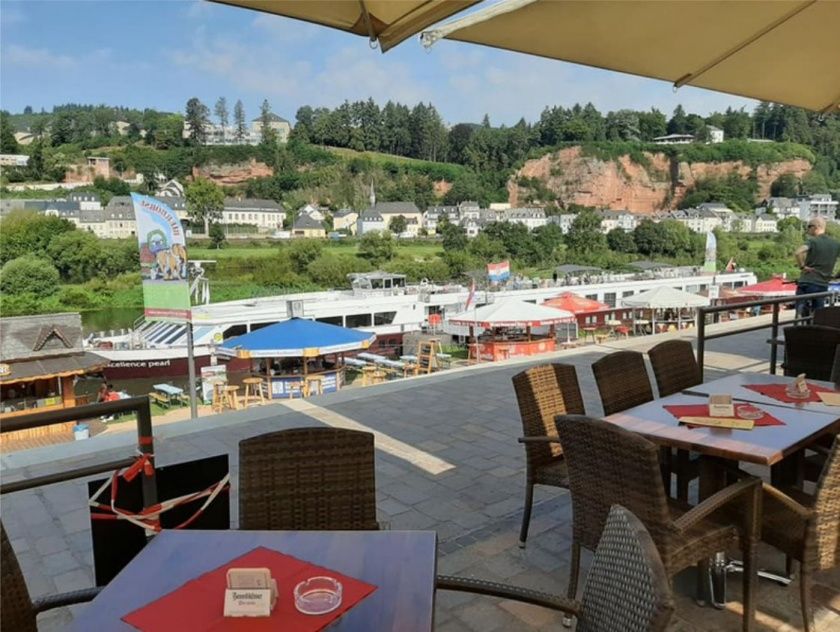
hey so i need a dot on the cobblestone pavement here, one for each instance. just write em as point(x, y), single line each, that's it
point(447, 459)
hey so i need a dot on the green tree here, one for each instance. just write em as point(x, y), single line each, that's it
point(29, 275)
point(649, 237)
point(239, 121)
point(205, 202)
point(677, 238)
point(331, 270)
point(302, 252)
point(678, 123)
point(486, 249)
point(454, 237)
point(652, 124)
point(78, 256)
point(8, 144)
point(28, 233)
point(585, 234)
point(221, 111)
point(377, 247)
point(398, 225)
point(197, 118)
point(619, 240)
point(268, 136)
point(217, 235)
point(787, 223)
point(786, 185)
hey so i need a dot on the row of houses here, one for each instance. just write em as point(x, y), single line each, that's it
point(802, 208)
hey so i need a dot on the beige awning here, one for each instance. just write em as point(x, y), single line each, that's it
point(387, 21)
point(787, 51)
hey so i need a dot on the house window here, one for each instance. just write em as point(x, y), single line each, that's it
point(384, 318)
point(357, 320)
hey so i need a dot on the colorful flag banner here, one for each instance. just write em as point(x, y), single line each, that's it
point(710, 264)
point(163, 260)
point(470, 296)
point(498, 271)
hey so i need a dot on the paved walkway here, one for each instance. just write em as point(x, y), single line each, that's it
point(447, 460)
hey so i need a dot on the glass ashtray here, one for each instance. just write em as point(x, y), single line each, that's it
point(797, 394)
point(749, 412)
point(318, 595)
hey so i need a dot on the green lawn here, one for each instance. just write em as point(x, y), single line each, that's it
point(412, 249)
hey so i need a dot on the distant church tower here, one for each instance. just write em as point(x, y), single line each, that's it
point(372, 195)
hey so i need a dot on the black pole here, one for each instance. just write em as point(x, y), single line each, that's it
point(701, 340)
point(146, 446)
point(774, 333)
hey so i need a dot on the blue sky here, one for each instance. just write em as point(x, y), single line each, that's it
point(158, 54)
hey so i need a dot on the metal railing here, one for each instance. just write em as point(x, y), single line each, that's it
point(145, 443)
point(702, 312)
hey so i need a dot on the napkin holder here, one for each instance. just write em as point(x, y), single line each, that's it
point(721, 406)
point(251, 592)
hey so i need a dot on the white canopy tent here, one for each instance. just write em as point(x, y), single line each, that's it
point(511, 313)
point(664, 297)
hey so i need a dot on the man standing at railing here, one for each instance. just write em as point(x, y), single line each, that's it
point(816, 260)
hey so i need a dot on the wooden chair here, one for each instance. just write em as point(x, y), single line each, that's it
point(675, 369)
point(20, 612)
point(809, 349)
point(307, 479)
point(610, 465)
point(627, 589)
point(806, 527)
point(543, 392)
point(622, 381)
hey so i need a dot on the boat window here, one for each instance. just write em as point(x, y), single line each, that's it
point(593, 297)
point(376, 284)
point(609, 299)
point(384, 318)
point(330, 320)
point(357, 320)
point(626, 293)
point(256, 326)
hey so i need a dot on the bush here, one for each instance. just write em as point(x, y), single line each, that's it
point(29, 274)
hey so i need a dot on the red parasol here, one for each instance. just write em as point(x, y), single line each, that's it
point(777, 286)
point(571, 302)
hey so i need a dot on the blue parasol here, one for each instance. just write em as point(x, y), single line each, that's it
point(296, 338)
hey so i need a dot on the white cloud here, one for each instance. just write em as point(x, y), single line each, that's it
point(17, 55)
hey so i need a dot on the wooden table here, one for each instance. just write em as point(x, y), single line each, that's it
point(735, 385)
point(400, 563)
point(764, 445)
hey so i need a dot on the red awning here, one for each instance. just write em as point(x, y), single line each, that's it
point(776, 286)
point(571, 302)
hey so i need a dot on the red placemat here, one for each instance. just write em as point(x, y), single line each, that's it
point(777, 391)
point(702, 410)
point(198, 605)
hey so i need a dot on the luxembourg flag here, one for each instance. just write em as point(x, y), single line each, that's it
point(471, 296)
point(498, 271)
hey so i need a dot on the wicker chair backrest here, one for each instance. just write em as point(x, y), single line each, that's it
point(609, 465)
point(627, 589)
point(674, 366)
point(15, 603)
point(543, 392)
point(826, 524)
point(622, 381)
point(809, 349)
point(308, 479)
point(827, 316)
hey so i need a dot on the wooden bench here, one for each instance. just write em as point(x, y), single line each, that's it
point(160, 400)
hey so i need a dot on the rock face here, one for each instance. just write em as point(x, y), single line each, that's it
point(623, 184)
point(233, 174)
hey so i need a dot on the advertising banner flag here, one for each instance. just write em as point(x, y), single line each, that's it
point(163, 260)
point(470, 296)
point(498, 271)
point(710, 264)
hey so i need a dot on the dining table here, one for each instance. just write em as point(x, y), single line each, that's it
point(400, 564)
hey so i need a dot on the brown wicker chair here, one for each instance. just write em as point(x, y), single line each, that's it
point(608, 465)
point(308, 479)
point(809, 349)
point(827, 316)
point(806, 527)
point(626, 591)
point(543, 392)
point(19, 611)
point(622, 381)
point(675, 369)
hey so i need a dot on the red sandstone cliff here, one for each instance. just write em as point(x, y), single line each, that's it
point(226, 175)
point(624, 184)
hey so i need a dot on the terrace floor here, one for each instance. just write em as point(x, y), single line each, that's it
point(447, 459)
